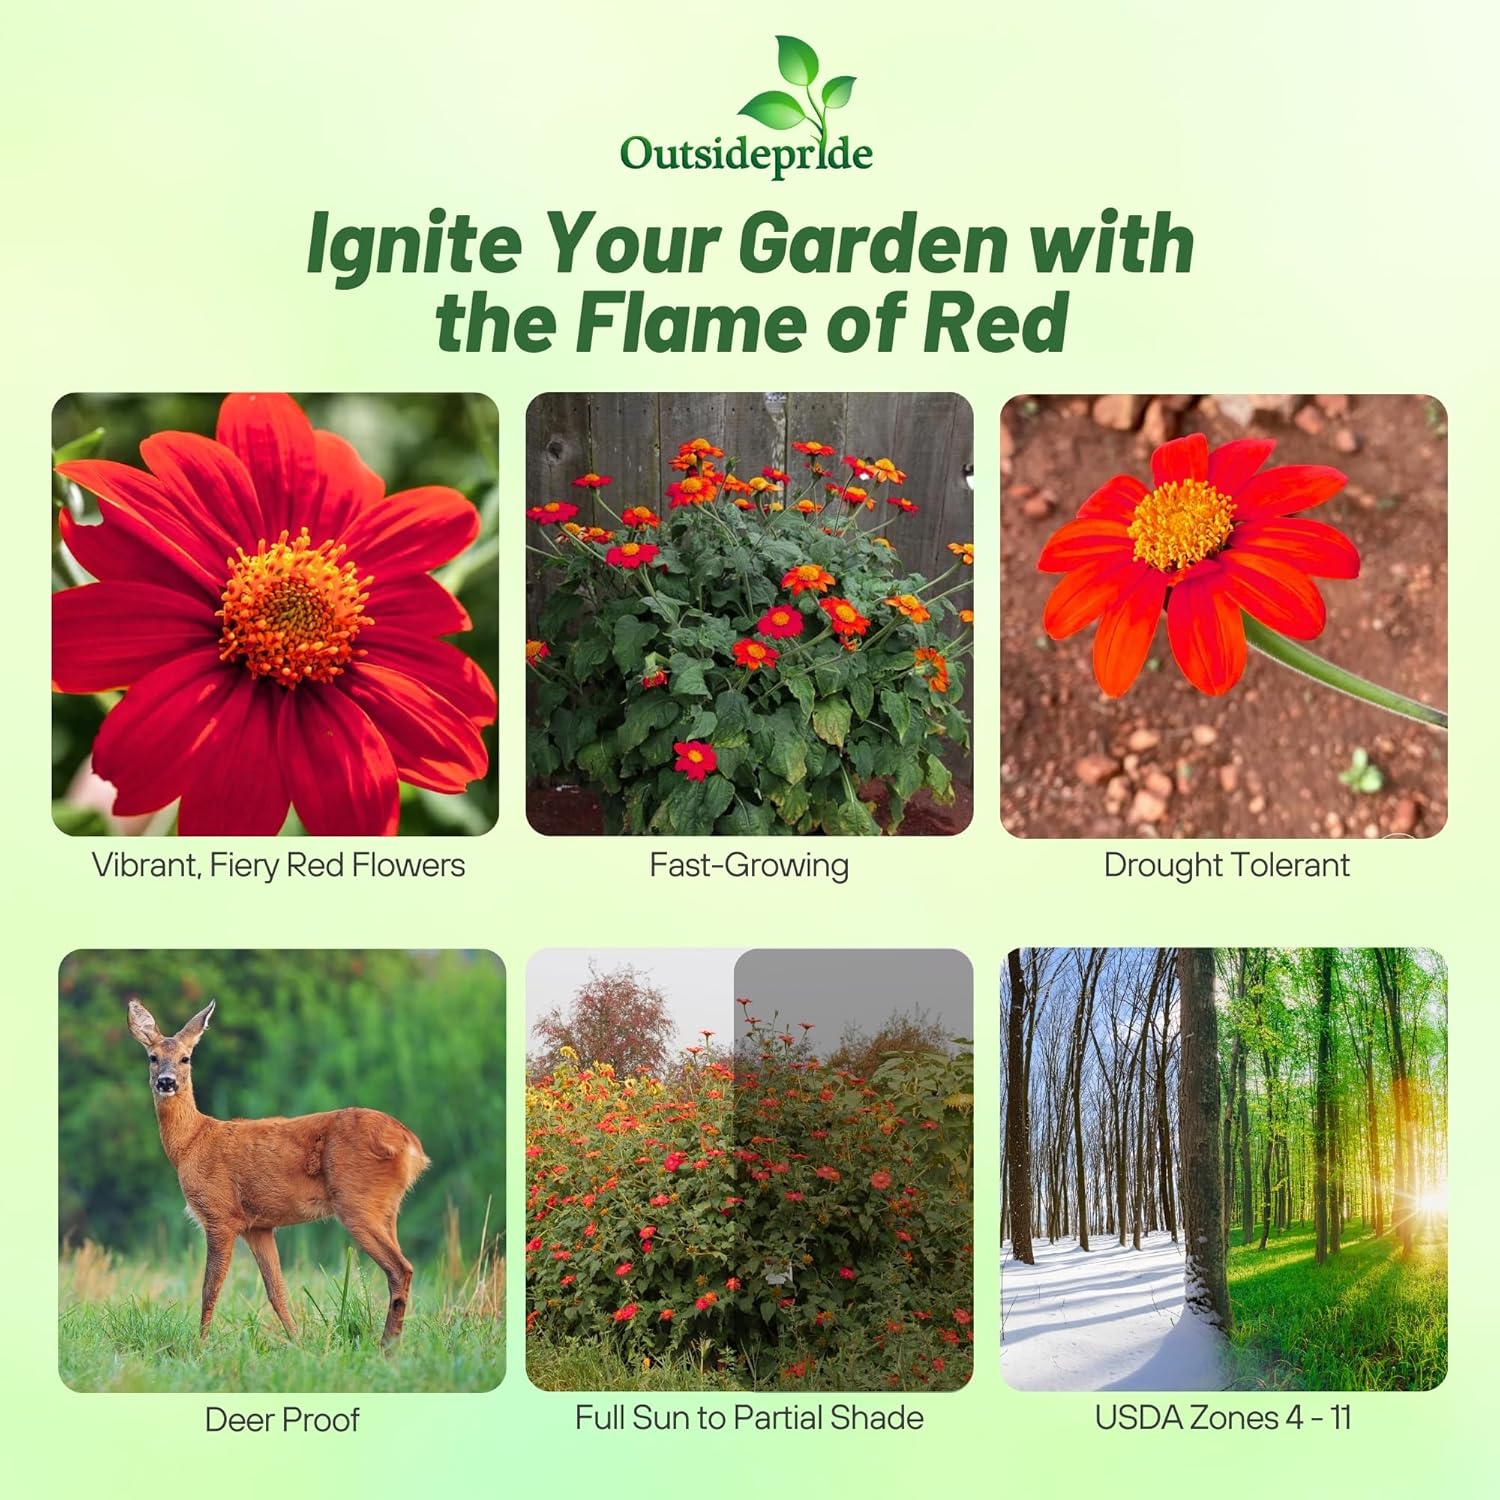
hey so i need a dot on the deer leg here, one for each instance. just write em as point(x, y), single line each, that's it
point(379, 1242)
point(262, 1243)
point(215, 1269)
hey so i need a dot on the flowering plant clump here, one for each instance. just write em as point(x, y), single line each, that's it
point(269, 613)
point(778, 633)
point(784, 1221)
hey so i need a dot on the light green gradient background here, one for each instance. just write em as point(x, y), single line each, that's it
point(162, 165)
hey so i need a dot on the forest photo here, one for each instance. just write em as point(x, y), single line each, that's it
point(1225, 1169)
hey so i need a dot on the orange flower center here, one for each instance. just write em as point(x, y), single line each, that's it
point(696, 756)
point(1180, 523)
point(809, 572)
point(631, 548)
point(291, 610)
point(846, 613)
point(780, 616)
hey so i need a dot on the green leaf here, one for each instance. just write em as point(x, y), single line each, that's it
point(718, 793)
point(831, 719)
point(837, 90)
point(797, 61)
point(897, 708)
point(788, 758)
point(775, 109)
point(80, 447)
point(746, 821)
point(686, 675)
point(702, 725)
point(802, 689)
point(733, 709)
point(631, 635)
point(862, 696)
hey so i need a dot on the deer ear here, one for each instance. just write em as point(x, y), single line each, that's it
point(142, 1024)
point(199, 1024)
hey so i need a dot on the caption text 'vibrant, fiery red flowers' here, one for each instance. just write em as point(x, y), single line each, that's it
point(268, 609)
point(1212, 539)
point(695, 759)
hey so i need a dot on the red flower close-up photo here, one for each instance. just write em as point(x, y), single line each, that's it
point(269, 612)
point(1214, 538)
point(695, 759)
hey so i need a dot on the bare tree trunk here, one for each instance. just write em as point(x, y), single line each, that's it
point(1017, 1118)
point(1247, 1187)
point(1323, 1080)
point(1207, 1287)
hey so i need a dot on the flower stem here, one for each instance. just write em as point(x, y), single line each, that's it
point(1269, 643)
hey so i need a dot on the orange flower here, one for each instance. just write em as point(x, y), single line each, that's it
point(905, 506)
point(740, 503)
point(963, 551)
point(706, 1301)
point(735, 486)
point(850, 493)
point(694, 490)
point(843, 617)
point(883, 541)
point(813, 450)
point(927, 655)
point(910, 606)
point(626, 1313)
point(776, 476)
point(880, 1180)
point(654, 680)
point(631, 554)
point(828, 1174)
point(808, 507)
point(760, 482)
point(808, 576)
point(592, 481)
point(883, 469)
point(753, 655)
point(695, 760)
point(862, 469)
point(640, 517)
point(967, 616)
point(537, 651)
point(700, 448)
point(598, 534)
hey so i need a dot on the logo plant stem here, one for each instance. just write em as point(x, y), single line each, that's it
point(779, 110)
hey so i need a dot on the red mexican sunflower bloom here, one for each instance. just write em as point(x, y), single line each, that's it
point(695, 760)
point(592, 481)
point(754, 655)
point(883, 469)
point(694, 490)
point(814, 450)
point(268, 609)
point(654, 680)
point(776, 476)
point(807, 507)
point(640, 517)
point(862, 468)
point(553, 513)
point(808, 576)
point(905, 506)
point(1213, 538)
point(843, 617)
point(779, 622)
point(631, 554)
point(537, 651)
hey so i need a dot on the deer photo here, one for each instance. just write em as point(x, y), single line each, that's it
point(249, 1178)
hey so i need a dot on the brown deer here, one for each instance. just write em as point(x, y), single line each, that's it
point(247, 1178)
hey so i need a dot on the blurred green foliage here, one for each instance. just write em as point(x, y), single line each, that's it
point(409, 440)
point(418, 1035)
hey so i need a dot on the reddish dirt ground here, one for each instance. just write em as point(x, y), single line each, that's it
point(1264, 760)
point(574, 811)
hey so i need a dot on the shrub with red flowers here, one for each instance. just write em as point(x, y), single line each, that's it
point(775, 1220)
point(780, 635)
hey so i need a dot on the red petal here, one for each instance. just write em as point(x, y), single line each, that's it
point(234, 787)
point(1182, 458)
point(434, 745)
point(419, 604)
point(1126, 630)
point(1079, 542)
point(210, 485)
point(1287, 488)
point(1275, 593)
point(1231, 464)
point(414, 531)
point(140, 504)
point(112, 550)
point(108, 635)
point(347, 486)
point(338, 767)
point(443, 667)
point(1114, 500)
point(1207, 632)
point(1312, 546)
point(274, 440)
point(150, 737)
point(1083, 595)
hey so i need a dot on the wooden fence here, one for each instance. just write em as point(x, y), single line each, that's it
point(631, 438)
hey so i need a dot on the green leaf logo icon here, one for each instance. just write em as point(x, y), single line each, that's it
point(797, 61)
point(776, 109)
point(798, 65)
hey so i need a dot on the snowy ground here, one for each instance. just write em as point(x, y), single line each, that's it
point(1110, 1319)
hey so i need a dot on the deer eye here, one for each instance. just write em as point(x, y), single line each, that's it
point(155, 1058)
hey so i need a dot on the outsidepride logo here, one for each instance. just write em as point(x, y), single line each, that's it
point(777, 110)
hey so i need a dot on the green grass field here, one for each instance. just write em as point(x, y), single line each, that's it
point(132, 1325)
point(1364, 1321)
